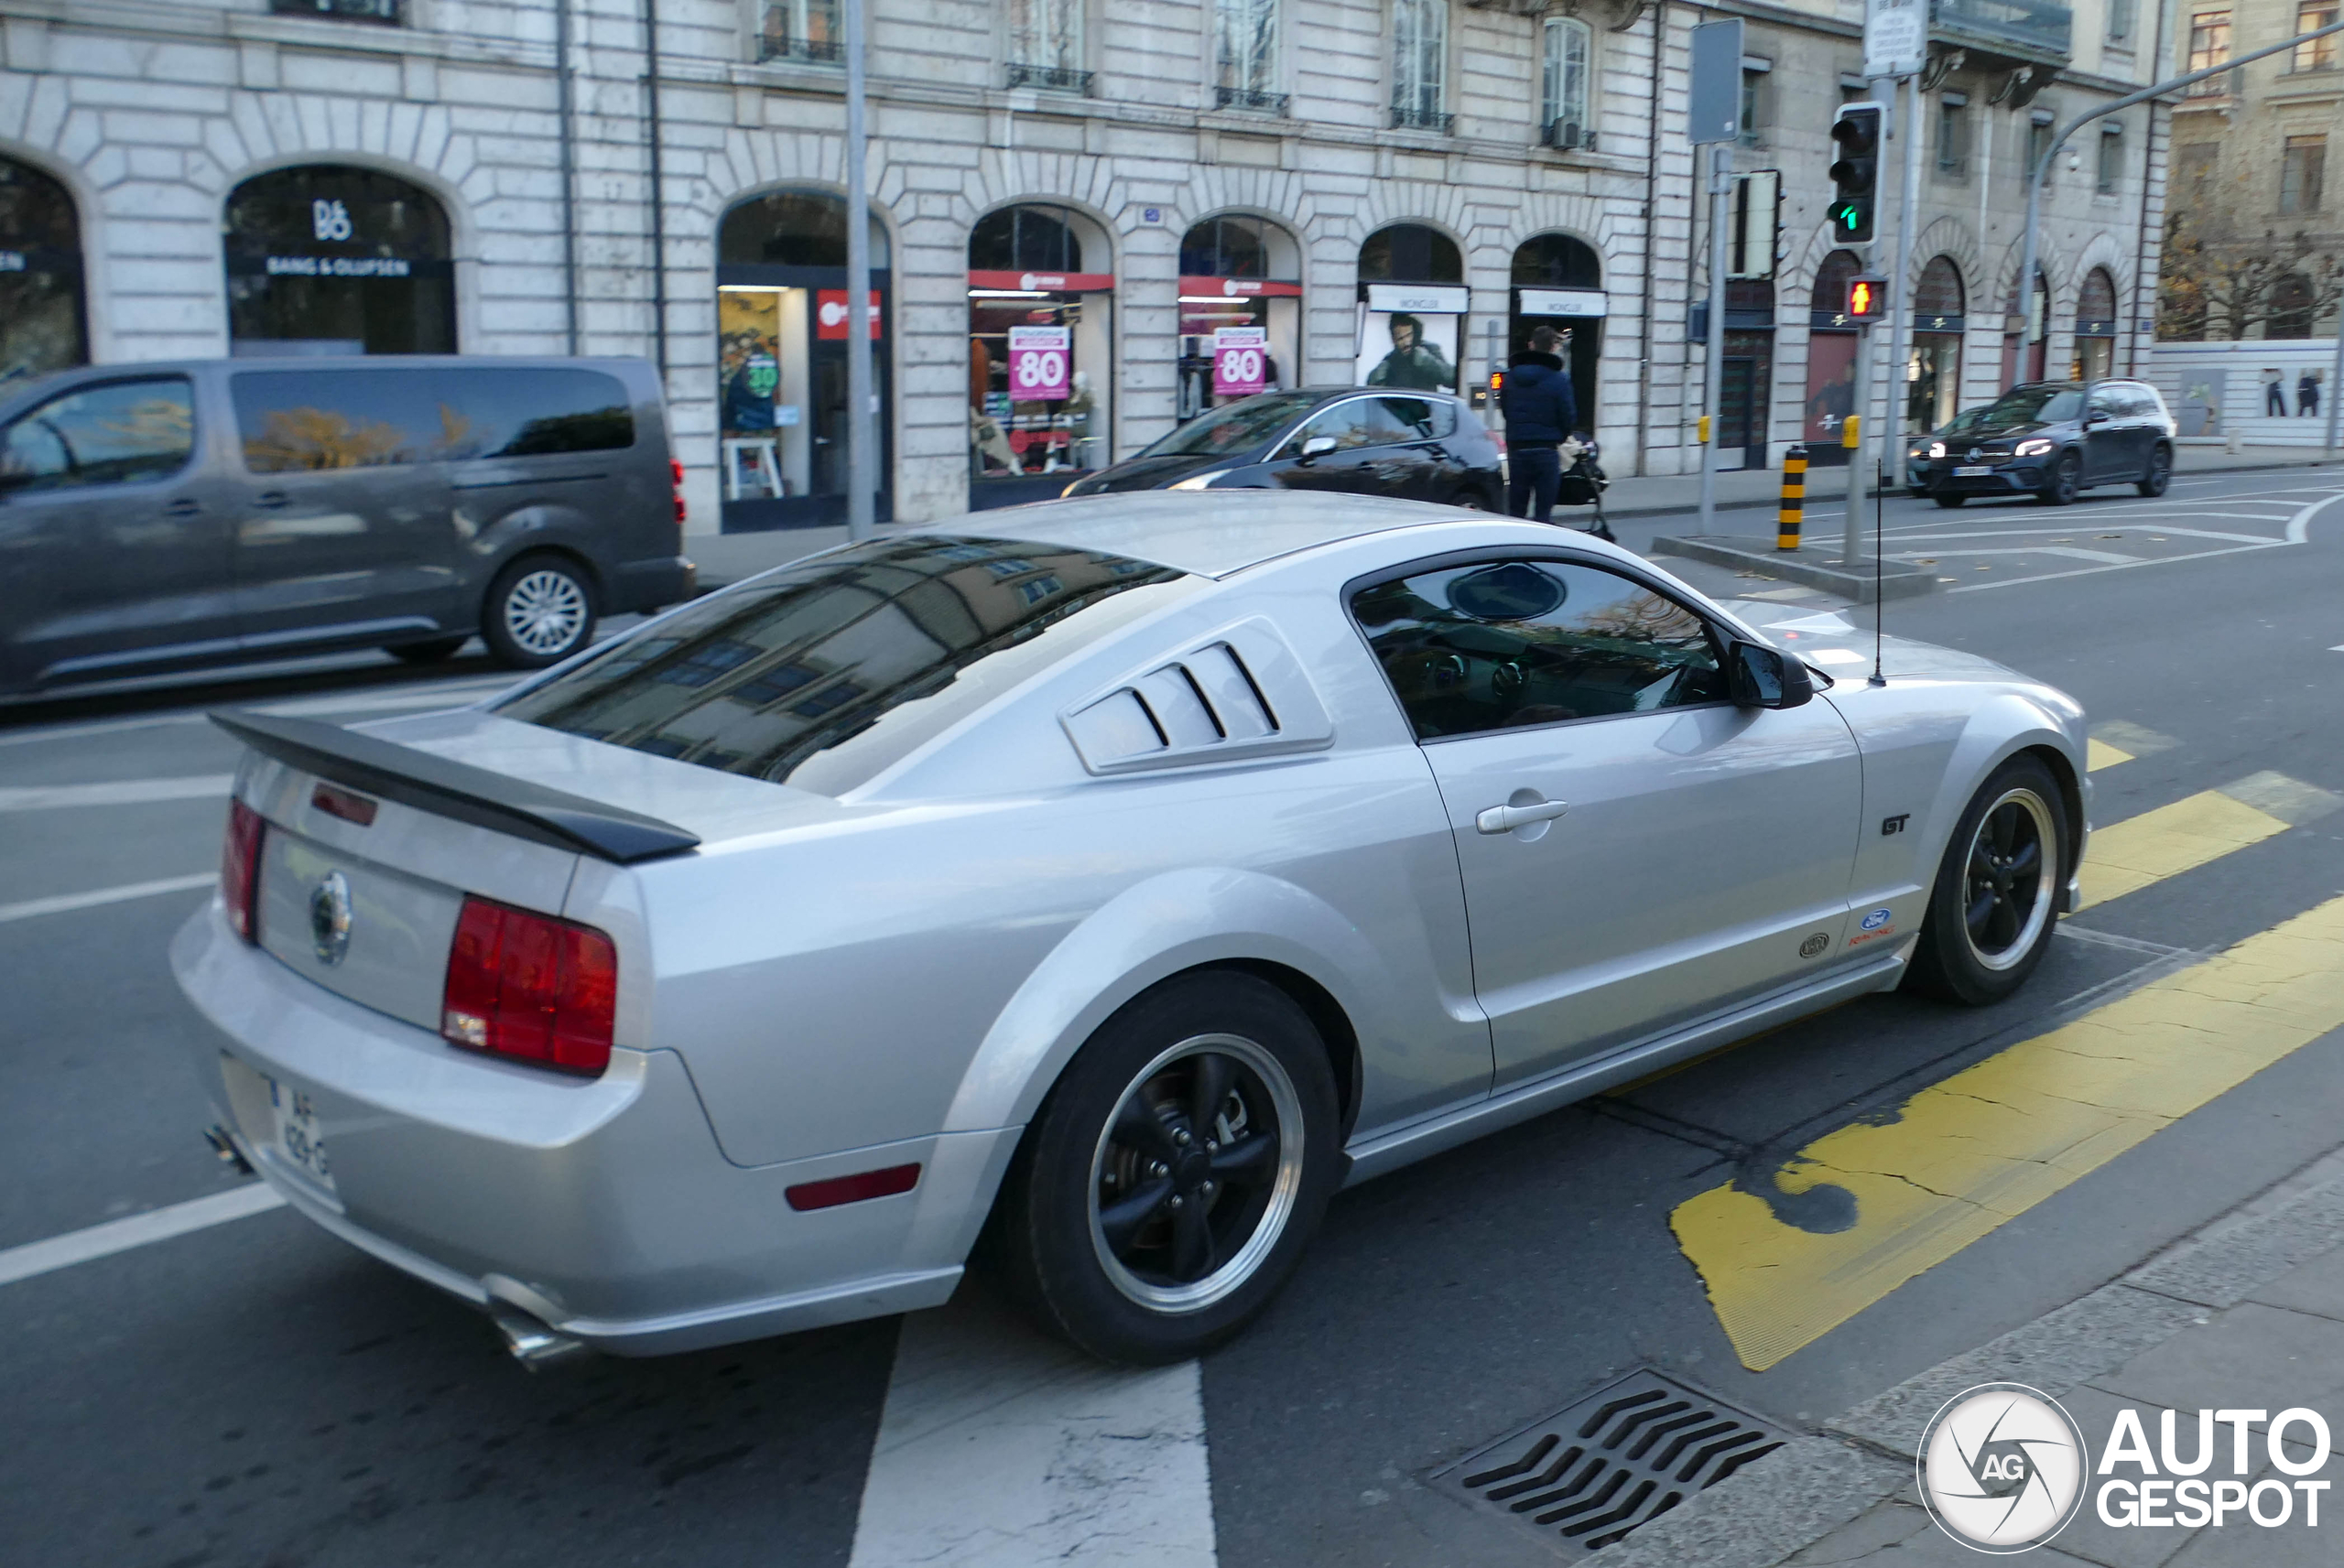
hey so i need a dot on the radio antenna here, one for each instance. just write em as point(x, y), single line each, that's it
point(1878, 530)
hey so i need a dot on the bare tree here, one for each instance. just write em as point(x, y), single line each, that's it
point(2219, 279)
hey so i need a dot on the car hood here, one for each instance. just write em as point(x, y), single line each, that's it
point(1154, 473)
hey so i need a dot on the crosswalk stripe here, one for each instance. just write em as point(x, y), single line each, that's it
point(117, 792)
point(1962, 1157)
point(2128, 855)
point(2099, 754)
point(1001, 1448)
point(65, 903)
point(135, 1230)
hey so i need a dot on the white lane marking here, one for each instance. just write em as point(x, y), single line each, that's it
point(64, 902)
point(136, 1230)
point(1001, 1448)
point(119, 791)
point(2071, 551)
point(2128, 565)
point(2299, 526)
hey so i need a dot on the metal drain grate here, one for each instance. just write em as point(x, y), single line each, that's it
point(1619, 1458)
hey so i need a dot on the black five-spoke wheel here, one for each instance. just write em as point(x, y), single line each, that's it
point(1998, 888)
point(1194, 1178)
point(2009, 894)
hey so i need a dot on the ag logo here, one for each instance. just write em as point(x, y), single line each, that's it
point(1814, 945)
point(2001, 1468)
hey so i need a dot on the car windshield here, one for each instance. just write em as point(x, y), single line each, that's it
point(2022, 405)
point(822, 674)
point(1235, 426)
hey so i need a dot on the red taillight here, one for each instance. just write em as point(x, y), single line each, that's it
point(530, 986)
point(856, 1188)
point(240, 869)
point(676, 468)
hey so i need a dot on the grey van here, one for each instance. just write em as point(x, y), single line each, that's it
point(168, 515)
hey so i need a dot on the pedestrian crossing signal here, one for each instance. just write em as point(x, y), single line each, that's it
point(1867, 298)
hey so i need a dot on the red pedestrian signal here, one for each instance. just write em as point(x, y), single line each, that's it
point(1867, 298)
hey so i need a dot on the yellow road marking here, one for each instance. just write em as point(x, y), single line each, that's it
point(2099, 754)
point(1993, 1140)
point(2129, 855)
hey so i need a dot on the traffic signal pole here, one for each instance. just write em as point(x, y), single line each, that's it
point(1855, 176)
point(1900, 335)
point(1721, 186)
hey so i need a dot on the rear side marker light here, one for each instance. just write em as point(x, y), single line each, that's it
point(335, 801)
point(865, 1185)
point(240, 869)
point(676, 472)
point(530, 988)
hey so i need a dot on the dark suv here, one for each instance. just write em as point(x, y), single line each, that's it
point(1416, 446)
point(162, 517)
point(2051, 438)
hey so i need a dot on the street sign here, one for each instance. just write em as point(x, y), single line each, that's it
point(1239, 361)
point(1713, 112)
point(1037, 363)
point(1757, 222)
point(1896, 38)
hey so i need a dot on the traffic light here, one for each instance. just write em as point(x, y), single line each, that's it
point(1856, 174)
point(1867, 298)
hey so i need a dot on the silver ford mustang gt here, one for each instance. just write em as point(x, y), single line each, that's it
point(1110, 880)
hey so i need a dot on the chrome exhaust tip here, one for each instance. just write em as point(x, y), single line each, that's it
point(532, 1342)
point(224, 1147)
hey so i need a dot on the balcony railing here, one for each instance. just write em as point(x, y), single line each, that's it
point(2030, 29)
point(820, 52)
point(1247, 98)
point(1409, 117)
point(383, 11)
point(1057, 77)
point(1567, 136)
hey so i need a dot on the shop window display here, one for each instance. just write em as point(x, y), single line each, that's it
point(40, 275)
point(1041, 337)
point(1240, 295)
point(1412, 304)
point(324, 259)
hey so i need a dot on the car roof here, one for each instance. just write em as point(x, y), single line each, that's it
point(1210, 533)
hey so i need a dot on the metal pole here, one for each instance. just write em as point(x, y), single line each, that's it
point(1900, 296)
point(654, 135)
point(2335, 380)
point(565, 97)
point(1713, 395)
point(2059, 138)
point(1852, 538)
point(861, 457)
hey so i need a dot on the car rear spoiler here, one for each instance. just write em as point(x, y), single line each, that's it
point(434, 784)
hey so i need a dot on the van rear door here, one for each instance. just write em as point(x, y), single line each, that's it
point(344, 529)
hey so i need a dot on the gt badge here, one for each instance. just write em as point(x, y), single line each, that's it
point(330, 918)
point(1876, 919)
point(1890, 824)
point(1814, 945)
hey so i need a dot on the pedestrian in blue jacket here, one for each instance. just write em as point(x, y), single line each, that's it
point(1540, 413)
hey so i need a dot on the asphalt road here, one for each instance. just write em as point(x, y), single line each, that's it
point(255, 1392)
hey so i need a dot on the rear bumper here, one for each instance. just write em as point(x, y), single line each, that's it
point(604, 1207)
point(649, 585)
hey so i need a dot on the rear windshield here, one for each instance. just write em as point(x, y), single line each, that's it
point(1235, 426)
point(820, 674)
point(292, 420)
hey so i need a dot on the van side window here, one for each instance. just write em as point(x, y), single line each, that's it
point(120, 433)
point(292, 421)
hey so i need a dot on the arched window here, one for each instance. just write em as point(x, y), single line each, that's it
point(1831, 282)
point(1558, 282)
point(1240, 293)
point(791, 227)
point(2095, 303)
point(1421, 64)
point(1831, 344)
point(1933, 374)
point(1557, 261)
point(40, 275)
point(329, 259)
point(1025, 239)
point(1939, 291)
point(2024, 350)
point(1041, 353)
point(1410, 253)
point(1565, 70)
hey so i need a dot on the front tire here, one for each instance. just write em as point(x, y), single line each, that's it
point(540, 610)
point(439, 649)
point(1176, 1172)
point(2160, 475)
point(1995, 901)
point(2065, 480)
point(1942, 499)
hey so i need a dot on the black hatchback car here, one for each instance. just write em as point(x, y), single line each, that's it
point(2052, 440)
point(1417, 446)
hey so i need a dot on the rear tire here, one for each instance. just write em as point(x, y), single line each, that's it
point(438, 651)
point(540, 611)
point(2066, 476)
point(1995, 902)
point(2160, 475)
point(1944, 500)
point(1175, 1173)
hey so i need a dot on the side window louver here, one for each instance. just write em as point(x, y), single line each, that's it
point(1240, 695)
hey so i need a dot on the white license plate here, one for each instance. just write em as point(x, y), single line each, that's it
point(281, 1120)
point(1978, 472)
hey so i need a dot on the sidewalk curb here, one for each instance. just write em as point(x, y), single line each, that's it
point(1814, 1485)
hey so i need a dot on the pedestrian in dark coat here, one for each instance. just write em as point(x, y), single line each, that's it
point(1540, 414)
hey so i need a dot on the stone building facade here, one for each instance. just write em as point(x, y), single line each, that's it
point(1076, 189)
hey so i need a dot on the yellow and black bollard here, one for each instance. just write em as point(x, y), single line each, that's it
point(1794, 512)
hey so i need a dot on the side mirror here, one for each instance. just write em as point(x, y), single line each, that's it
point(1760, 677)
point(1318, 446)
point(2096, 416)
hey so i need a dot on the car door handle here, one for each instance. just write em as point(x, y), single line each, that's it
point(271, 499)
point(1506, 818)
point(182, 507)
